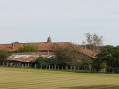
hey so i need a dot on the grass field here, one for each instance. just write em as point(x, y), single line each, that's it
point(16, 78)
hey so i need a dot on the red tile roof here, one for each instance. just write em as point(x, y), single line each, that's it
point(45, 46)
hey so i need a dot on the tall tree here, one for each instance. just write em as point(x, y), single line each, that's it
point(89, 39)
point(94, 41)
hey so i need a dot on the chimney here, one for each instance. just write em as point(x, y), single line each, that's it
point(12, 45)
point(85, 47)
point(48, 53)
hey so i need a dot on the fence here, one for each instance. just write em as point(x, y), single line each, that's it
point(57, 67)
point(49, 67)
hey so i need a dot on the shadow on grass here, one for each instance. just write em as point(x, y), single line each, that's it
point(94, 87)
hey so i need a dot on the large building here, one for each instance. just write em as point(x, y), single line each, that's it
point(45, 49)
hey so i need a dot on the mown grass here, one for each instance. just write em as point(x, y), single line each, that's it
point(17, 78)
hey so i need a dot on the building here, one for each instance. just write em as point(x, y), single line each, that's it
point(45, 49)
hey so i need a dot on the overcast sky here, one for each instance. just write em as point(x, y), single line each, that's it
point(63, 20)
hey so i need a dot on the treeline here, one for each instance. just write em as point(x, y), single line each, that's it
point(107, 59)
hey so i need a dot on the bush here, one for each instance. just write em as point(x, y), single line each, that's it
point(107, 59)
point(28, 48)
point(3, 56)
point(42, 61)
point(71, 57)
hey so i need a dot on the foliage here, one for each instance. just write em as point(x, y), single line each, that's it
point(42, 61)
point(3, 56)
point(109, 59)
point(97, 65)
point(68, 56)
point(94, 41)
point(85, 61)
point(28, 48)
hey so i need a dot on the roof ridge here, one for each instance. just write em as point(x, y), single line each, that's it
point(72, 46)
point(33, 43)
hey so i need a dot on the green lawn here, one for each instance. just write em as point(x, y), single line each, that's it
point(16, 78)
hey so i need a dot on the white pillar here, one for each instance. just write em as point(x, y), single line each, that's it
point(58, 67)
point(62, 68)
point(35, 65)
point(71, 68)
point(49, 67)
point(28, 65)
point(41, 67)
point(55, 67)
point(74, 68)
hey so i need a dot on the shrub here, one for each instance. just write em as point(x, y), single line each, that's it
point(71, 57)
point(42, 61)
point(28, 48)
point(3, 56)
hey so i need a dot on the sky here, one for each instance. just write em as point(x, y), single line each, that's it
point(63, 20)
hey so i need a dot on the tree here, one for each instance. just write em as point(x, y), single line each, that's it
point(71, 57)
point(63, 56)
point(3, 56)
point(97, 65)
point(108, 58)
point(97, 41)
point(42, 61)
point(94, 41)
point(89, 39)
point(28, 48)
point(112, 59)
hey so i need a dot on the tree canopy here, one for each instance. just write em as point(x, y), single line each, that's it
point(108, 59)
point(42, 61)
point(3, 56)
point(93, 41)
point(68, 56)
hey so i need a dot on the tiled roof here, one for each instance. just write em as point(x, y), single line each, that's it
point(45, 46)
